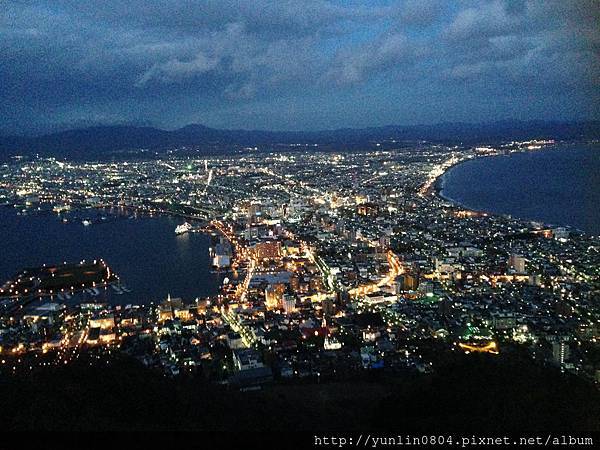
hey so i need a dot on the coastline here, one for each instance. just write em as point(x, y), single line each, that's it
point(439, 184)
point(137, 276)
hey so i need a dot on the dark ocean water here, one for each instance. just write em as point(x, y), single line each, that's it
point(145, 252)
point(558, 186)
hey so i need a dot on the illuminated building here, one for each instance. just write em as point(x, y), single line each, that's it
point(289, 303)
point(235, 341)
point(370, 335)
point(245, 359)
point(331, 343)
point(368, 209)
point(274, 295)
point(93, 336)
point(103, 322)
point(222, 256)
point(182, 312)
point(267, 250)
point(254, 211)
point(107, 336)
point(169, 308)
point(561, 234)
point(292, 248)
point(406, 282)
point(48, 312)
point(560, 352)
point(517, 263)
point(360, 199)
point(328, 307)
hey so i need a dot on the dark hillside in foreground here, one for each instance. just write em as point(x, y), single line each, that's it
point(95, 142)
point(474, 394)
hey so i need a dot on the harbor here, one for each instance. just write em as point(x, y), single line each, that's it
point(150, 260)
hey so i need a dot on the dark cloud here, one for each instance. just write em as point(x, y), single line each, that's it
point(387, 52)
point(315, 64)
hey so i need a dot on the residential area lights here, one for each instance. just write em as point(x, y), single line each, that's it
point(331, 264)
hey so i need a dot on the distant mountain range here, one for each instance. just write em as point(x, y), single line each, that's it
point(99, 141)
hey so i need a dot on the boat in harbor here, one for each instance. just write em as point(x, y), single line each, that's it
point(183, 228)
point(86, 223)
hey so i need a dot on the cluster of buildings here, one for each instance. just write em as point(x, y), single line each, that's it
point(336, 263)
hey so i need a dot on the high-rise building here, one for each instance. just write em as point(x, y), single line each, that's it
point(327, 305)
point(406, 282)
point(384, 241)
point(517, 263)
point(289, 303)
point(222, 255)
point(254, 211)
point(560, 352)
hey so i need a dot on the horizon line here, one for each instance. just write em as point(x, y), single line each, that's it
point(264, 130)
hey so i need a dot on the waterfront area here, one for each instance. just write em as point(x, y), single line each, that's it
point(332, 264)
point(556, 185)
point(143, 251)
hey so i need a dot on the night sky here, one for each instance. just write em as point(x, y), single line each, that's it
point(293, 65)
